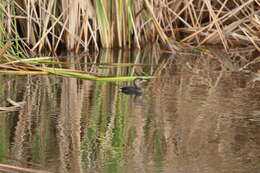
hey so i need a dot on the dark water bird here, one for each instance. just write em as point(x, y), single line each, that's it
point(136, 89)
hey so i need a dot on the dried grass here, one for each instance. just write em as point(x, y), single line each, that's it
point(127, 23)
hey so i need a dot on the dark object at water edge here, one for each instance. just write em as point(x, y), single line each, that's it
point(136, 89)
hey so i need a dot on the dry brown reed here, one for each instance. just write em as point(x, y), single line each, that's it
point(10, 168)
point(87, 24)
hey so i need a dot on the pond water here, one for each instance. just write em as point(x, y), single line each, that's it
point(196, 117)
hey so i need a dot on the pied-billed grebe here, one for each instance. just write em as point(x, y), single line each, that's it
point(136, 89)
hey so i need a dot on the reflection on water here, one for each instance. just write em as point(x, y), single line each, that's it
point(195, 117)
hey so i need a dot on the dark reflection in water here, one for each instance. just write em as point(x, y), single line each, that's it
point(200, 119)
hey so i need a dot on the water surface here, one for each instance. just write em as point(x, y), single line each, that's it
point(197, 116)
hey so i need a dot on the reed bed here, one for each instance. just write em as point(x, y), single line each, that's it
point(51, 25)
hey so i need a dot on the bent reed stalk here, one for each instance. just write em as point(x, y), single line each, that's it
point(52, 24)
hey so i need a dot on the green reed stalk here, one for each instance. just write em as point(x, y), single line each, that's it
point(103, 23)
point(69, 73)
point(119, 21)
